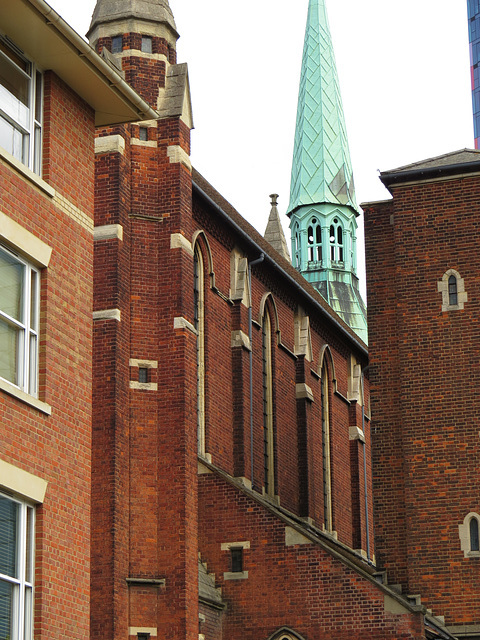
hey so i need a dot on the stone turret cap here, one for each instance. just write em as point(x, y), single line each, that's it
point(121, 10)
point(274, 231)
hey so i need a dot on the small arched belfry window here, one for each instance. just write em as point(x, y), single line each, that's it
point(336, 241)
point(469, 535)
point(297, 253)
point(314, 241)
point(452, 288)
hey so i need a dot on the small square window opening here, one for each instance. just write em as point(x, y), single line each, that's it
point(117, 44)
point(146, 44)
point(143, 374)
point(236, 559)
point(143, 135)
point(143, 636)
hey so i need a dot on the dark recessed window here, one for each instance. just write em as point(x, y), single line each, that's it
point(143, 134)
point(474, 540)
point(143, 374)
point(117, 44)
point(236, 558)
point(452, 291)
point(143, 636)
point(147, 44)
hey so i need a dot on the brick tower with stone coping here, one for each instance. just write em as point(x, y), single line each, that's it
point(143, 478)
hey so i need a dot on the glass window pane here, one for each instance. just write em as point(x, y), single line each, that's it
point(117, 44)
point(28, 614)
point(11, 286)
point(12, 140)
point(10, 339)
point(474, 541)
point(33, 366)
point(146, 44)
point(33, 300)
point(6, 605)
point(38, 97)
point(29, 546)
point(14, 92)
point(37, 150)
point(9, 514)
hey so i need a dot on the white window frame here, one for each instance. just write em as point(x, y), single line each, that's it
point(30, 153)
point(27, 327)
point(22, 583)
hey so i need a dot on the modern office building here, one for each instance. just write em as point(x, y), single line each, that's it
point(474, 37)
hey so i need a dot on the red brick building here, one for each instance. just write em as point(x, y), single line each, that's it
point(423, 301)
point(54, 89)
point(231, 442)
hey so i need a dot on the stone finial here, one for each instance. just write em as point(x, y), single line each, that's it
point(274, 232)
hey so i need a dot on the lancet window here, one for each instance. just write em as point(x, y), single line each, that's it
point(269, 463)
point(314, 241)
point(327, 483)
point(336, 241)
point(199, 324)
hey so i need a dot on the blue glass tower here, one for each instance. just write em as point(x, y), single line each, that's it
point(474, 37)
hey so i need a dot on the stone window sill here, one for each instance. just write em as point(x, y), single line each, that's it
point(14, 391)
point(26, 173)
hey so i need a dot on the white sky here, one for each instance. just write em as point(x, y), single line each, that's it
point(404, 74)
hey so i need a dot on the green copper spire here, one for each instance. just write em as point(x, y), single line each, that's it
point(321, 170)
point(322, 208)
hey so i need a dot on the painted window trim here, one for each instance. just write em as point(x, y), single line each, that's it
point(31, 127)
point(16, 239)
point(22, 583)
point(27, 325)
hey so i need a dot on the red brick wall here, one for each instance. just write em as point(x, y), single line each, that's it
point(68, 138)
point(297, 424)
point(301, 587)
point(424, 380)
point(56, 447)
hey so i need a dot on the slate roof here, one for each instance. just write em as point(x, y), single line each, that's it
point(467, 160)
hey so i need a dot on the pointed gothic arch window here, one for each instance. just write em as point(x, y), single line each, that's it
point(199, 324)
point(326, 467)
point(452, 291)
point(285, 634)
point(314, 241)
point(297, 246)
point(474, 539)
point(452, 288)
point(267, 379)
point(336, 241)
point(469, 535)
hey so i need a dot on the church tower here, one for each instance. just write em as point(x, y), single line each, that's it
point(144, 581)
point(322, 208)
